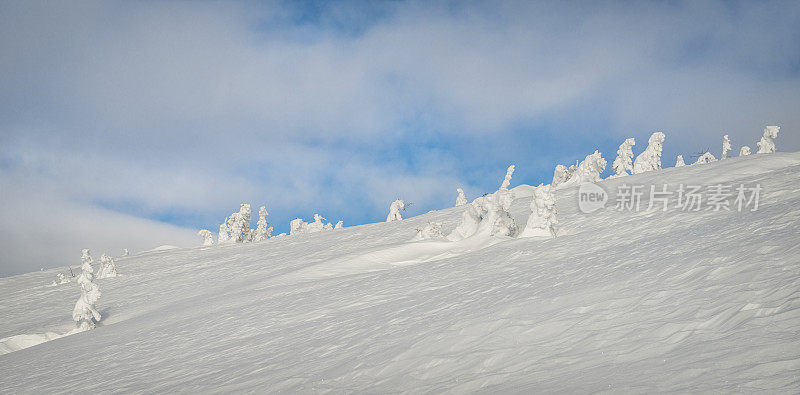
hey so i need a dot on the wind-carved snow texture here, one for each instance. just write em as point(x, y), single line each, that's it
point(676, 301)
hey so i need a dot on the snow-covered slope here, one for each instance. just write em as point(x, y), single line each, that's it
point(634, 301)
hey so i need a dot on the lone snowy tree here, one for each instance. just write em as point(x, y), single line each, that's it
point(624, 161)
point(680, 162)
point(767, 143)
point(85, 313)
point(507, 179)
point(542, 221)
point(744, 151)
point(263, 231)
point(107, 267)
point(339, 225)
point(208, 238)
point(726, 146)
point(461, 199)
point(394, 211)
point(705, 158)
point(297, 226)
point(650, 158)
point(224, 232)
point(125, 252)
point(563, 173)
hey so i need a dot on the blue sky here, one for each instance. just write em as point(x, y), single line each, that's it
point(133, 124)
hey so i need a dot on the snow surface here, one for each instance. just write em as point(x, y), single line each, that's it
point(620, 301)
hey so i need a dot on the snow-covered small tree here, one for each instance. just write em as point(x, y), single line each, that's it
point(767, 143)
point(588, 171)
point(542, 221)
point(237, 226)
point(507, 179)
point(263, 230)
point(125, 252)
point(433, 230)
point(563, 173)
point(224, 232)
point(461, 199)
point(650, 158)
point(107, 267)
point(317, 225)
point(339, 225)
point(726, 146)
point(394, 211)
point(624, 161)
point(85, 313)
point(744, 151)
point(208, 237)
point(60, 279)
point(705, 158)
point(679, 162)
point(297, 226)
point(488, 215)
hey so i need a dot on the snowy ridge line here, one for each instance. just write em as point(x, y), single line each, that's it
point(628, 301)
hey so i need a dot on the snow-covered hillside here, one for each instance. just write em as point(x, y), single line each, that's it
point(620, 301)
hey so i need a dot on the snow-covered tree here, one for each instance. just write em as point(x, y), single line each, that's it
point(542, 221)
point(60, 279)
point(263, 230)
point(488, 215)
point(563, 173)
point(744, 151)
point(125, 252)
point(624, 161)
point(726, 146)
point(317, 225)
point(680, 162)
point(394, 211)
point(208, 237)
point(433, 230)
point(461, 199)
point(297, 226)
point(650, 159)
point(767, 143)
point(705, 158)
point(107, 267)
point(85, 313)
point(237, 227)
point(507, 179)
point(588, 171)
point(224, 232)
point(339, 225)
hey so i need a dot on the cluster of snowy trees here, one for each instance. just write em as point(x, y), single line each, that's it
point(236, 227)
point(298, 226)
point(765, 146)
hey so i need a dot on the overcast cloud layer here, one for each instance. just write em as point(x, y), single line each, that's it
point(132, 125)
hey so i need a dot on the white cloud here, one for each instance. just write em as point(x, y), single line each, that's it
point(193, 107)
